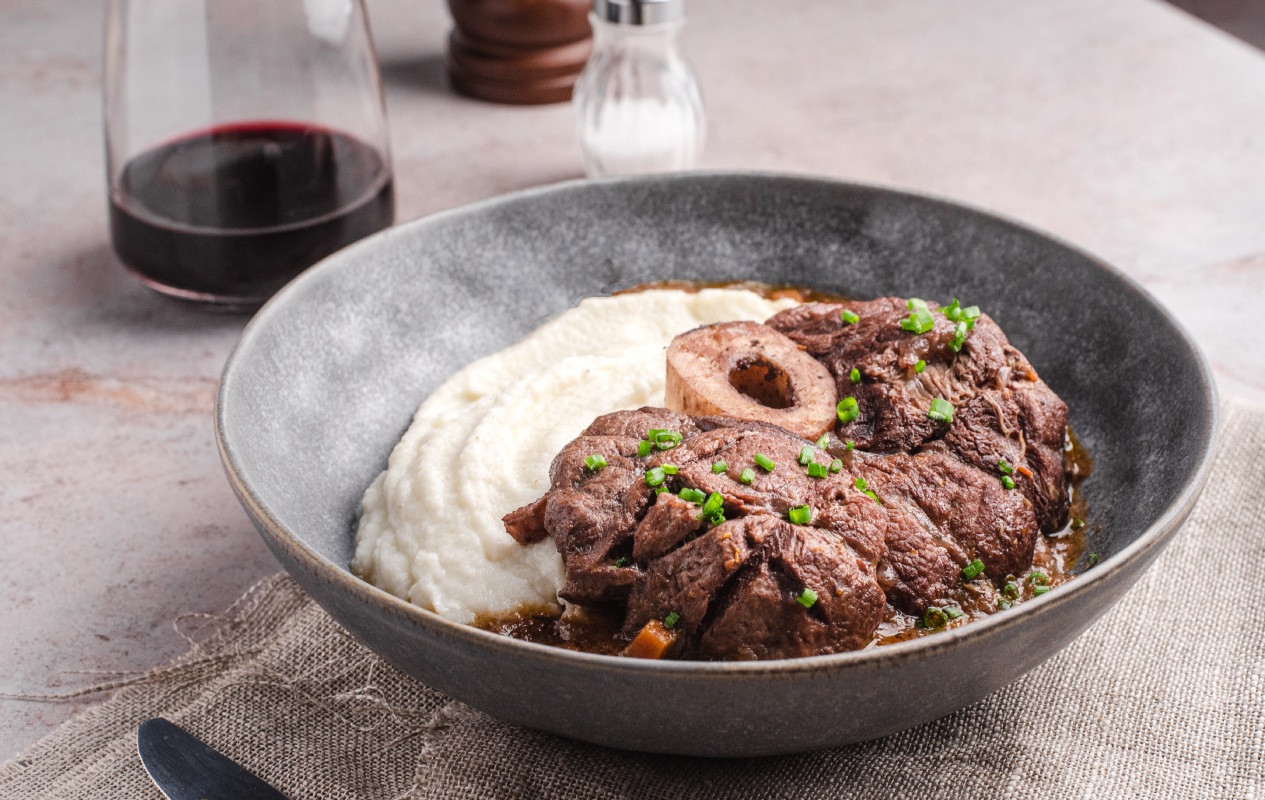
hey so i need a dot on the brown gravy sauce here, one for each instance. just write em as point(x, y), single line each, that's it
point(1056, 555)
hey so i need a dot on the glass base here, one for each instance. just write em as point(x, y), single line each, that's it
point(208, 302)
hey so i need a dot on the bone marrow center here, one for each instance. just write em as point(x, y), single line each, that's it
point(763, 381)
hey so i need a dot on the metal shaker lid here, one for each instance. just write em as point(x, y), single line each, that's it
point(639, 12)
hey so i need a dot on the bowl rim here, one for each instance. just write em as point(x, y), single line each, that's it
point(869, 658)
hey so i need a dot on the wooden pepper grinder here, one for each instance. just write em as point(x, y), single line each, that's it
point(523, 52)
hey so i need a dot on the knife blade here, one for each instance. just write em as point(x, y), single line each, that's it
point(185, 768)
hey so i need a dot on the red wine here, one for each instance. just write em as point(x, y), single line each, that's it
point(233, 213)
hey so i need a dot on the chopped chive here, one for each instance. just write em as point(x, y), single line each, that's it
point(1003, 604)
point(595, 462)
point(800, 515)
point(655, 476)
point(919, 320)
point(1093, 559)
point(692, 495)
point(671, 620)
point(959, 337)
point(1007, 481)
point(969, 315)
point(916, 302)
point(1077, 523)
point(716, 519)
point(670, 469)
point(847, 409)
point(816, 470)
point(973, 570)
point(1039, 578)
point(747, 476)
point(805, 456)
point(849, 445)
point(1010, 590)
point(666, 440)
point(765, 462)
point(935, 618)
point(941, 410)
point(663, 439)
point(920, 366)
point(715, 502)
point(807, 598)
point(959, 314)
point(1040, 590)
point(864, 489)
point(848, 317)
point(952, 612)
point(823, 442)
point(719, 467)
point(836, 466)
point(622, 562)
point(1004, 467)
point(855, 375)
point(658, 490)
point(644, 448)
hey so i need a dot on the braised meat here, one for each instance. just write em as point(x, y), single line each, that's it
point(1003, 416)
point(590, 511)
point(760, 543)
point(943, 514)
point(668, 523)
point(737, 539)
point(762, 617)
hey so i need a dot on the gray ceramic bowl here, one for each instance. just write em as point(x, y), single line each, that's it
point(326, 378)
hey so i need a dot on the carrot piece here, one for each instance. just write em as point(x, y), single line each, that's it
point(1024, 471)
point(652, 641)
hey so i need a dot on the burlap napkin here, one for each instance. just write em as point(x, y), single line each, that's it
point(1163, 697)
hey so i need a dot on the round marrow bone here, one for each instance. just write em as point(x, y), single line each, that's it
point(752, 372)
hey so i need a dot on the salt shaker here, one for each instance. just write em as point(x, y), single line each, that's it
point(637, 104)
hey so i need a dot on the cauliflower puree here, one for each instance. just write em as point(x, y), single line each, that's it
point(480, 447)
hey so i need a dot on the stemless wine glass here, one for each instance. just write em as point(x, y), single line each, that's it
point(245, 140)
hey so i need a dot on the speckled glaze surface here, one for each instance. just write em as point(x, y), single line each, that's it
point(327, 376)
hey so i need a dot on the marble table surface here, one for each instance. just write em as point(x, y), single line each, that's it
point(1126, 127)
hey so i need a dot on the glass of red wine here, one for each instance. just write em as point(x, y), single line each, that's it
point(245, 141)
